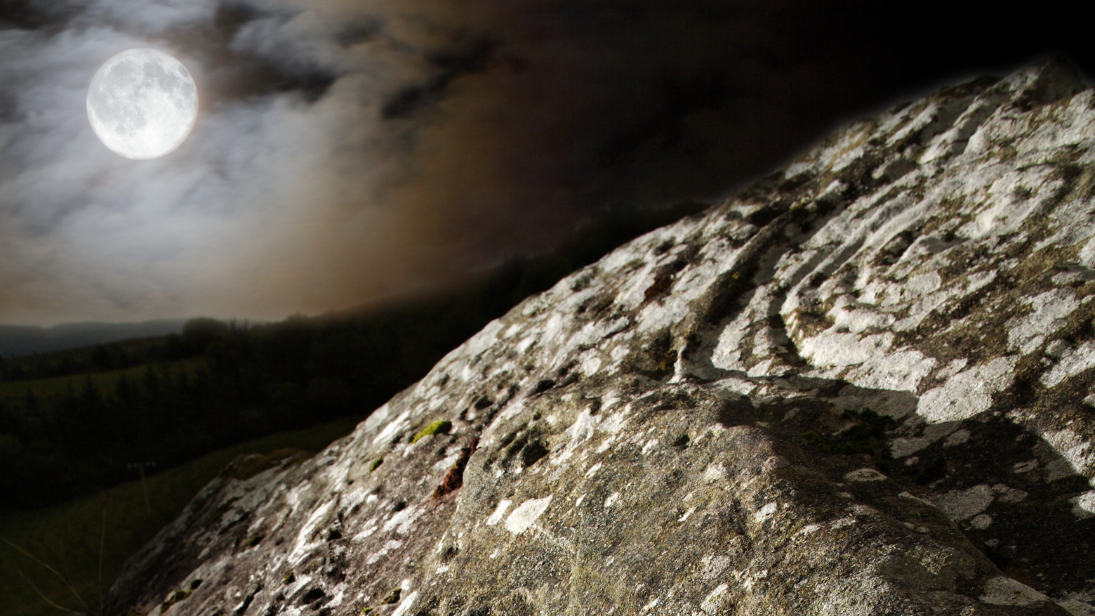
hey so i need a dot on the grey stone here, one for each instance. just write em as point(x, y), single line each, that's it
point(768, 408)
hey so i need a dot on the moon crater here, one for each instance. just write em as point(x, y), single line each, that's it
point(142, 103)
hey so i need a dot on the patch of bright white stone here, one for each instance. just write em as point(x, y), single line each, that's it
point(715, 600)
point(526, 513)
point(499, 513)
point(406, 605)
point(764, 513)
point(968, 393)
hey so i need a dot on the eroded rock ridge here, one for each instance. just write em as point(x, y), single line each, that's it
point(864, 385)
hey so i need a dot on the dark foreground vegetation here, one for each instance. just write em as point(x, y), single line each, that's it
point(61, 559)
point(72, 423)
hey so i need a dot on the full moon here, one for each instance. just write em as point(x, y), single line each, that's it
point(142, 103)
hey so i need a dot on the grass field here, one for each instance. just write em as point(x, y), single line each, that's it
point(68, 537)
point(15, 392)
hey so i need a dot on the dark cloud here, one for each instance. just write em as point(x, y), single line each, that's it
point(352, 149)
point(448, 65)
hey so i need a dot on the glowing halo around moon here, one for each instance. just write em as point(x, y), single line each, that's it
point(142, 103)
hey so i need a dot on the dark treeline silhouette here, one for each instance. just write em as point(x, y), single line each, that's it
point(243, 381)
point(92, 359)
point(24, 340)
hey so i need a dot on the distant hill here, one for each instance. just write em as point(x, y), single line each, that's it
point(21, 340)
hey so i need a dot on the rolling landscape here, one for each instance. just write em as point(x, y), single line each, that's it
point(74, 422)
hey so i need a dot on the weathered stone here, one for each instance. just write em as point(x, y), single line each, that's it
point(862, 386)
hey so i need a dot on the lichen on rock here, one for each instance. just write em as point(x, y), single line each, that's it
point(862, 385)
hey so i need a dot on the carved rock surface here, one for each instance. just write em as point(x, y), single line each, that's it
point(863, 385)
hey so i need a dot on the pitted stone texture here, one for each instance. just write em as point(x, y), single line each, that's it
point(861, 386)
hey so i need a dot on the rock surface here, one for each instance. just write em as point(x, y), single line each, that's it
point(864, 385)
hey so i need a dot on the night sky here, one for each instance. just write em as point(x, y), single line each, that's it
point(348, 151)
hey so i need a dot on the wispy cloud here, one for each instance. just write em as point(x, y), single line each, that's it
point(348, 149)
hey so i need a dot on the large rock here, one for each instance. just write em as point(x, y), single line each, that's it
point(861, 386)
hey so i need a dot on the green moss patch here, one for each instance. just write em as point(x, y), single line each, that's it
point(441, 426)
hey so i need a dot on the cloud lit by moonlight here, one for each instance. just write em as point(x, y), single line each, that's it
point(354, 151)
point(142, 103)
